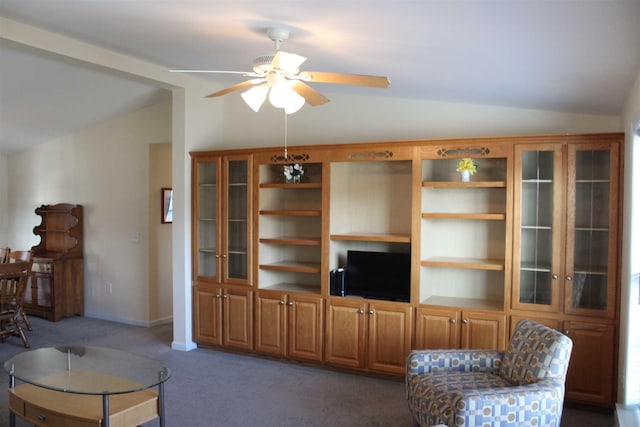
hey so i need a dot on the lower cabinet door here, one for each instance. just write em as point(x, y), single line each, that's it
point(483, 330)
point(590, 376)
point(305, 327)
point(207, 316)
point(345, 337)
point(237, 318)
point(390, 331)
point(271, 323)
point(437, 328)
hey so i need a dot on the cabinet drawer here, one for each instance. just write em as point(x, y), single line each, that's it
point(43, 417)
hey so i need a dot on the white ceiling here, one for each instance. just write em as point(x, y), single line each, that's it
point(563, 55)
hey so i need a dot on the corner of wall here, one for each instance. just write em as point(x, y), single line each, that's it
point(4, 201)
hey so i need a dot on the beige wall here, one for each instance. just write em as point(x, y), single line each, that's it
point(375, 117)
point(160, 271)
point(106, 170)
point(4, 213)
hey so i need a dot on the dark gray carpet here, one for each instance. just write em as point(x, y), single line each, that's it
point(210, 388)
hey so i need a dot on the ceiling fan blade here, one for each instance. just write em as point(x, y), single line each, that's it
point(208, 71)
point(236, 87)
point(243, 73)
point(310, 95)
point(344, 79)
point(287, 62)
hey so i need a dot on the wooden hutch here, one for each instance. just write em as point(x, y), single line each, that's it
point(57, 287)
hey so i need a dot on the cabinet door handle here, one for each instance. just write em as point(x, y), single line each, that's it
point(290, 302)
point(224, 255)
point(555, 277)
point(453, 321)
point(42, 418)
point(370, 311)
point(465, 321)
point(569, 278)
point(217, 256)
point(218, 296)
point(225, 296)
point(360, 311)
point(281, 303)
point(566, 332)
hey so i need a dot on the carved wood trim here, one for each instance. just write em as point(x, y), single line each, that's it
point(367, 155)
point(464, 151)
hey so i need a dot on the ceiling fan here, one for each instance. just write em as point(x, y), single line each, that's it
point(278, 76)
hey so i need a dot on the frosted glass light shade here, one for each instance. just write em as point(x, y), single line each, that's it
point(282, 96)
point(255, 96)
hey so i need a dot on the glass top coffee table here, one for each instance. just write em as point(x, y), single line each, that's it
point(85, 386)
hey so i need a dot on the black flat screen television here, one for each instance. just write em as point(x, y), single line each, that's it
point(378, 275)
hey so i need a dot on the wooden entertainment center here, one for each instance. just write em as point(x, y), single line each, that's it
point(534, 234)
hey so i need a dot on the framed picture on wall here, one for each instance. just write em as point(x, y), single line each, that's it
point(167, 206)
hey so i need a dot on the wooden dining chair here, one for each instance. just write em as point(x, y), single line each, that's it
point(4, 255)
point(13, 279)
point(20, 256)
point(23, 256)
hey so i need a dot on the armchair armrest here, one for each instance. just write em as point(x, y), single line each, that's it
point(545, 393)
point(423, 361)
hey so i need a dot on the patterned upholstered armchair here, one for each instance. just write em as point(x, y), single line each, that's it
point(522, 386)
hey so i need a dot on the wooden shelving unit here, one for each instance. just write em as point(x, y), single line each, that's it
point(464, 230)
point(290, 228)
point(484, 253)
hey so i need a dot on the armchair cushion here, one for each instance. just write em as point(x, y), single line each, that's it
point(474, 398)
point(535, 352)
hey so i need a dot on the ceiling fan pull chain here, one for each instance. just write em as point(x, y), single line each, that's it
point(286, 132)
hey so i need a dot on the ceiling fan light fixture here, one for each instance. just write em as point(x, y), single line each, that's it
point(262, 64)
point(283, 96)
point(255, 96)
point(289, 63)
point(295, 103)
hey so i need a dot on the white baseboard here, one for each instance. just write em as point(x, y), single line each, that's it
point(128, 321)
point(182, 346)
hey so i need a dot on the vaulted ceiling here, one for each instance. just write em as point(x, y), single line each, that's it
point(561, 55)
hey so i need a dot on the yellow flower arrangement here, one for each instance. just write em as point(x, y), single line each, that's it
point(467, 164)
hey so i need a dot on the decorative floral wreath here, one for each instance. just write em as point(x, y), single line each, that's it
point(293, 170)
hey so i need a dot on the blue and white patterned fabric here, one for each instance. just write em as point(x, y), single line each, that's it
point(522, 387)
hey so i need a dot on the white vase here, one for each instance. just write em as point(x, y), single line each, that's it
point(465, 176)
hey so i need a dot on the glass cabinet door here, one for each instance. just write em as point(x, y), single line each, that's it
point(537, 197)
point(237, 217)
point(591, 230)
point(207, 214)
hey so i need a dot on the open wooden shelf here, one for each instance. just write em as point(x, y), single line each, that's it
point(301, 186)
point(454, 215)
point(460, 184)
point(291, 212)
point(293, 287)
point(470, 263)
point(373, 237)
point(464, 303)
point(293, 266)
point(292, 240)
